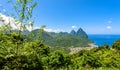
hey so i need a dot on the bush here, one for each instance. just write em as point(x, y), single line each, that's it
point(116, 45)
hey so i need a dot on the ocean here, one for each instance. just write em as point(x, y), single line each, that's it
point(104, 39)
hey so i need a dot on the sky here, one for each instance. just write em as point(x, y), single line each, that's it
point(93, 16)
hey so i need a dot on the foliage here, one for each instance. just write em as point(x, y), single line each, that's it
point(116, 45)
point(58, 59)
point(21, 52)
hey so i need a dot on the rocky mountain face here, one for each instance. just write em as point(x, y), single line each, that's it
point(80, 33)
point(73, 33)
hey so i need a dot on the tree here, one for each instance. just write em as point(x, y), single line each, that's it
point(116, 45)
point(12, 42)
point(58, 59)
point(24, 9)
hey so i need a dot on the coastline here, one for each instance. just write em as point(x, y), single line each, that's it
point(77, 49)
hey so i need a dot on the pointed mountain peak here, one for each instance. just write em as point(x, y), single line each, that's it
point(82, 33)
point(73, 33)
point(80, 29)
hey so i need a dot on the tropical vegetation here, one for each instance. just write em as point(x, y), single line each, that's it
point(26, 52)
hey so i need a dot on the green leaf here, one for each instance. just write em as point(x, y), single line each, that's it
point(34, 5)
point(17, 0)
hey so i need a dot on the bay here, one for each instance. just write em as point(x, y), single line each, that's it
point(103, 39)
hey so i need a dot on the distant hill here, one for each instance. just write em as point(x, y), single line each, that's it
point(63, 39)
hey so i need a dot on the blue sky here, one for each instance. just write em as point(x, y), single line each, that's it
point(94, 16)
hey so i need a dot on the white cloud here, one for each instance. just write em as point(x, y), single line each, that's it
point(36, 27)
point(109, 27)
point(74, 26)
point(29, 28)
point(8, 19)
point(50, 30)
point(53, 30)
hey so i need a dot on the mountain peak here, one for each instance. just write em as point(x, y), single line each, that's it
point(73, 33)
point(82, 33)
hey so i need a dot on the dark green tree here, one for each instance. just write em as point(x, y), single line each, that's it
point(116, 45)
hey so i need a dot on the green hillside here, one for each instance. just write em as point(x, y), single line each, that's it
point(63, 39)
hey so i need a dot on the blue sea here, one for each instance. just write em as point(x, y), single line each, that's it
point(104, 39)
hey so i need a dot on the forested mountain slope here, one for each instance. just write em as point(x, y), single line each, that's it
point(63, 39)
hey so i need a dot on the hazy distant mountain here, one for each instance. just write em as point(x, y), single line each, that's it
point(25, 32)
point(63, 33)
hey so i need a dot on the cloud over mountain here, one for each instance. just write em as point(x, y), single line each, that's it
point(13, 23)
